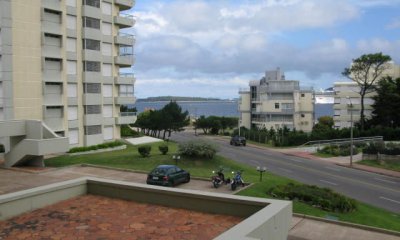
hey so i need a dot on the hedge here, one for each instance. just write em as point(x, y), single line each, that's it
point(96, 147)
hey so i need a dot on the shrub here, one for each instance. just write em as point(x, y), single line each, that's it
point(128, 132)
point(374, 148)
point(144, 151)
point(95, 147)
point(163, 149)
point(197, 149)
point(323, 198)
point(342, 150)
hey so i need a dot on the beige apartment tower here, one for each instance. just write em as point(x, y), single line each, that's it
point(274, 102)
point(68, 64)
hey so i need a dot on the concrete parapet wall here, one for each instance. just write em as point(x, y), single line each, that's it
point(265, 218)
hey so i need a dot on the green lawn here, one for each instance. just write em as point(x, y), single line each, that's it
point(390, 166)
point(130, 159)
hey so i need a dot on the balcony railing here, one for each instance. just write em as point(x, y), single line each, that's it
point(127, 114)
point(124, 20)
point(125, 39)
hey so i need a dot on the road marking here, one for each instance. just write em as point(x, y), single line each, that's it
point(334, 169)
point(384, 180)
point(295, 160)
point(286, 170)
point(331, 183)
point(388, 199)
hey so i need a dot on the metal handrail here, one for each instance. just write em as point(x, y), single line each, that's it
point(343, 140)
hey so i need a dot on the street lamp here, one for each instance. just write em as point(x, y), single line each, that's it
point(351, 130)
point(176, 158)
point(261, 170)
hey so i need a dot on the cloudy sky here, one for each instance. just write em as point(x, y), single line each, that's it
point(211, 48)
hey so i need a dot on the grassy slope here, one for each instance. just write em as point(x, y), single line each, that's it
point(390, 166)
point(130, 159)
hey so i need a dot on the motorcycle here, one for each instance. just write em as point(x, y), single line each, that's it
point(219, 179)
point(237, 180)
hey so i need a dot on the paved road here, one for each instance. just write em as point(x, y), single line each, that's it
point(374, 189)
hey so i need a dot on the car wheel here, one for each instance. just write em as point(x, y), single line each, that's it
point(172, 183)
point(244, 144)
point(231, 143)
point(233, 186)
point(187, 179)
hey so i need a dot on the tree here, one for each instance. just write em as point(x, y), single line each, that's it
point(386, 108)
point(365, 71)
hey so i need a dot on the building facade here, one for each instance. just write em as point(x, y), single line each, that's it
point(348, 101)
point(68, 64)
point(274, 102)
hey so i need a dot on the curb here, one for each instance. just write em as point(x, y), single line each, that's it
point(347, 224)
point(367, 170)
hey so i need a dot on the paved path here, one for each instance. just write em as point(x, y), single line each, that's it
point(302, 229)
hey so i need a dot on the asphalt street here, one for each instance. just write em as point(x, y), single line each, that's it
point(377, 190)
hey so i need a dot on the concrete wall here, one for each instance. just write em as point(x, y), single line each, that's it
point(265, 218)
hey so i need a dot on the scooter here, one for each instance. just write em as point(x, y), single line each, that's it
point(237, 180)
point(219, 179)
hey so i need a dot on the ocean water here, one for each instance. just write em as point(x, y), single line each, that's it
point(219, 108)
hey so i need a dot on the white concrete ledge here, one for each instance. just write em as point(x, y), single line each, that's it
point(265, 218)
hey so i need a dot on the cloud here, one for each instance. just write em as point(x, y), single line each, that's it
point(395, 24)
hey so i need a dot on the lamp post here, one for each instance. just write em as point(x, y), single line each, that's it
point(261, 170)
point(176, 158)
point(239, 126)
point(351, 131)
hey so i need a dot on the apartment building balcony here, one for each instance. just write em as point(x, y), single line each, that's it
point(52, 5)
point(92, 119)
point(124, 60)
point(126, 118)
point(125, 4)
point(92, 99)
point(125, 100)
point(51, 27)
point(244, 90)
point(289, 111)
point(124, 20)
point(125, 78)
point(52, 75)
point(90, 11)
point(53, 99)
point(124, 39)
point(91, 33)
point(91, 55)
point(51, 51)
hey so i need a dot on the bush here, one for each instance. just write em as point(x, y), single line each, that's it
point(163, 149)
point(197, 149)
point(128, 132)
point(144, 151)
point(342, 150)
point(323, 198)
point(95, 147)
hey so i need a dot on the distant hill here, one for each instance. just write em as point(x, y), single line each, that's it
point(174, 98)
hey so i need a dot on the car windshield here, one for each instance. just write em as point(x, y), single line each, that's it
point(159, 171)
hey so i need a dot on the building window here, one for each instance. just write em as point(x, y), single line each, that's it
point(107, 70)
point(106, 8)
point(93, 3)
point(106, 28)
point(91, 44)
point(52, 40)
point(72, 90)
point(93, 109)
point(92, 88)
point(72, 113)
point(90, 66)
point(93, 130)
point(303, 95)
point(107, 111)
point(91, 22)
point(108, 133)
point(71, 67)
point(71, 22)
point(125, 90)
point(71, 44)
point(73, 135)
point(302, 115)
point(107, 90)
point(71, 3)
point(276, 105)
point(106, 49)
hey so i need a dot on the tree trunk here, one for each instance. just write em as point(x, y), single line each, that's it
point(362, 116)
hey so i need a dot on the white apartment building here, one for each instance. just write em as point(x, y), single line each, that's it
point(67, 64)
point(347, 95)
point(276, 102)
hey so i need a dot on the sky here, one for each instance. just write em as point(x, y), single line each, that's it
point(213, 48)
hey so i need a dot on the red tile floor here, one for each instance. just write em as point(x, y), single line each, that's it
point(96, 217)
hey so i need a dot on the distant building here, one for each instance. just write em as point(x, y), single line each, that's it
point(276, 102)
point(348, 92)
